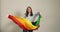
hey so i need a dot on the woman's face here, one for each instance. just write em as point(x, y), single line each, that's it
point(29, 10)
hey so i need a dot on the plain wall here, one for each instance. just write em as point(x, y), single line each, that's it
point(49, 10)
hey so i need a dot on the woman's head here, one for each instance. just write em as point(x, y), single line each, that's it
point(29, 10)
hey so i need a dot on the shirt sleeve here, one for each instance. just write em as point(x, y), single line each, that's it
point(37, 14)
point(24, 16)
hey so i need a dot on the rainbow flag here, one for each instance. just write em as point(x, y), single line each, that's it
point(24, 23)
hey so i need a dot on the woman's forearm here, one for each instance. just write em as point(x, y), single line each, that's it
point(38, 20)
point(37, 14)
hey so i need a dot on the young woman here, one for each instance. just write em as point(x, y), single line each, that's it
point(29, 15)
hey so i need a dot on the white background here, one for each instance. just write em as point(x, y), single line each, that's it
point(49, 10)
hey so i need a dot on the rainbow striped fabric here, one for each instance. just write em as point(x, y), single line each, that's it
point(24, 23)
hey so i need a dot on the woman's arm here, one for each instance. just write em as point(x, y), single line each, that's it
point(24, 16)
point(37, 14)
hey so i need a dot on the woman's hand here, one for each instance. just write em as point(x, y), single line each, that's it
point(37, 27)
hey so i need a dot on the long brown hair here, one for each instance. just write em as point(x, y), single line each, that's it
point(31, 14)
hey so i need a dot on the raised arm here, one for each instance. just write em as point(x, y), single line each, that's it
point(37, 14)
